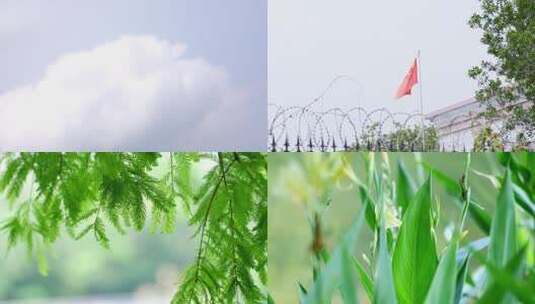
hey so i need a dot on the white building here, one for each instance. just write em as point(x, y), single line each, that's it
point(458, 125)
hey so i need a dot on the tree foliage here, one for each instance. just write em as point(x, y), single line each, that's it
point(508, 28)
point(87, 193)
point(403, 138)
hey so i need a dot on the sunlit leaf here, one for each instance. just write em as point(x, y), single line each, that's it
point(502, 245)
point(405, 188)
point(415, 258)
point(442, 290)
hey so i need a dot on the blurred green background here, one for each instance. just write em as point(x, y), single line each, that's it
point(137, 267)
point(289, 238)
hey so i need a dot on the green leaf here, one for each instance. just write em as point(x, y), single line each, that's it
point(42, 264)
point(521, 196)
point(502, 245)
point(405, 188)
point(461, 277)
point(368, 203)
point(365, 279)
point(442, 290)
point(330, 278)
point(523, 200)
point(415, 258)
point(100, 234)
point(384, 282)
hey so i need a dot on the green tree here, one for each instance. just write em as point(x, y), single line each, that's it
point(403, 138)
point(488, 140)
point(83, 193)
point(508, 78)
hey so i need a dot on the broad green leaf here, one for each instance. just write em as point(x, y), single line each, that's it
point(330, 278)
point(442, 289)
point(365, 279)
point(461, 278)
point(404, 188)
point(415, 259)
point(502, 245)
point(384, 282)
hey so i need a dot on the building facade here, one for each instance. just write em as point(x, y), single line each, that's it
point(459, 124)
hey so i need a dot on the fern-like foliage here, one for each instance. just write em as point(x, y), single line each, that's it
point(230, 212)
point(84, 193)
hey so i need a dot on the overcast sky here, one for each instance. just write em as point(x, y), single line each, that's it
point(133, 75)
point(310, 42)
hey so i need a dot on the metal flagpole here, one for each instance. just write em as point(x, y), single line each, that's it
point(421, 103)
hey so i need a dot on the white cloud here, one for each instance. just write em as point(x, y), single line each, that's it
point(135, 93)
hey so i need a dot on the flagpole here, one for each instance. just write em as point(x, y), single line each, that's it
point(421, 103)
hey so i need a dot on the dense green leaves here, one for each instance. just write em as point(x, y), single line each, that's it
point(414, 274)
point(86, 193)
point(231, 216)
point(508, 31)
point(415, 259)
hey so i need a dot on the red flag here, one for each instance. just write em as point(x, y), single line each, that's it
point(409, 81)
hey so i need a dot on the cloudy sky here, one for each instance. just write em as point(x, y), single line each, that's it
point(373, 43)
point(133, 75)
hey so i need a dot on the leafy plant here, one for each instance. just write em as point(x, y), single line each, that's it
point(488, 140)
point(404, 138)
point(404, 262)
point(507, 80)
point(86, 193)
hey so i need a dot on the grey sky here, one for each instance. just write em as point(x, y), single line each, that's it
point(226, 35)
point(374, 42)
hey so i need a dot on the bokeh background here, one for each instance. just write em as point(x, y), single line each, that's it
point(290, 236)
